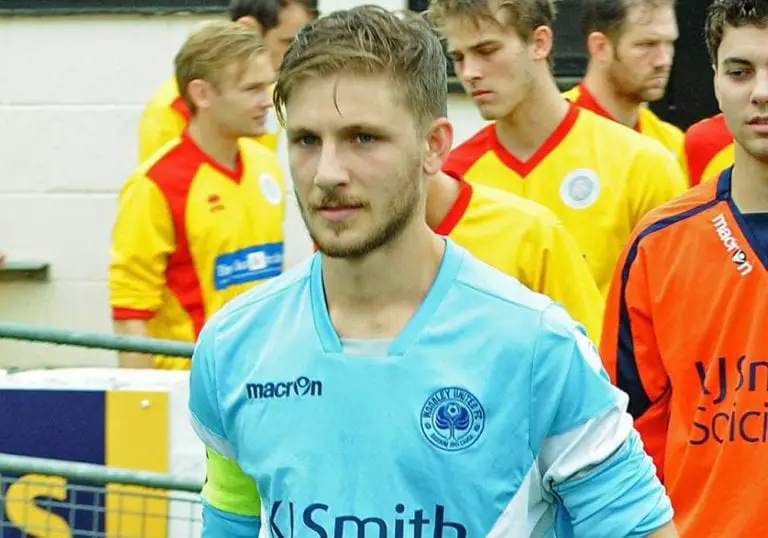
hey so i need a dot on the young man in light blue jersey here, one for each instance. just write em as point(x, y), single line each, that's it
point(393, 386)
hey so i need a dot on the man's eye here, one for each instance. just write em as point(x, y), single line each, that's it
point(364, 138)
point(306, 140)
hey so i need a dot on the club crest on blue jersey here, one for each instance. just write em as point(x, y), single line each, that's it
point(452, 419)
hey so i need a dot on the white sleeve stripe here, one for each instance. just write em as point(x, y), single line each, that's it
point(527, 513)
point(588, 351)
point(210, 439)
point(578, 450)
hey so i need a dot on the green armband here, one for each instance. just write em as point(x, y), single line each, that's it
point(228, 488)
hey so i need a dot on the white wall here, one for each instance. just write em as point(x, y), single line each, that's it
point(71, 94)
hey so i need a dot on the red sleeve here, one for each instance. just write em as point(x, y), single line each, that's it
point(703, 141)
point(630, 352)
point(129, 313)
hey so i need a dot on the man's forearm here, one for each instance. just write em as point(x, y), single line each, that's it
point(667, 531)
point(132, 327)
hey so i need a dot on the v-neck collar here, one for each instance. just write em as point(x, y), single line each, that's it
point(523, 168)
point(446, 274)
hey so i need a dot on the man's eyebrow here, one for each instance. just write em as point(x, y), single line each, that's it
point(479, 45)
point(733, 60)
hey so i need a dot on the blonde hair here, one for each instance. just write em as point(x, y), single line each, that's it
point(522, 15)
point(210, 50)
point(370, 40)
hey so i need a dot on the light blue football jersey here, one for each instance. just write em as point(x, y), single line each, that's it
point(488, 415)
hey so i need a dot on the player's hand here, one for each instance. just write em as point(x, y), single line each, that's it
point(2, 258)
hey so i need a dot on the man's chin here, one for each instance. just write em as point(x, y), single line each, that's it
point(255, 133)
point(757, 148)
point(342, 244)
point(342, 250)
point(652, 95)
point(490, 114)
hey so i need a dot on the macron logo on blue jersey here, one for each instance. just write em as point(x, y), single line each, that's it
point(303, 386)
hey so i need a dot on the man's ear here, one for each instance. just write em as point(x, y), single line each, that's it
point(439, 143)
point(600, 48)
point(199, 92)
point(541, 42)
point(251, 22)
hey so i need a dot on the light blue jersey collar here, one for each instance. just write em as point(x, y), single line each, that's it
point(364, 347)
point(446, 274)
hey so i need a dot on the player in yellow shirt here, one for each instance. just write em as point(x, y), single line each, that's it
point(519, 237)
point(166, 114)
point(599, 178)
point(201, 221)
point(631, 45)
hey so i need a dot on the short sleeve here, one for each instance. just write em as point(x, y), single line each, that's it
point(204, 407)
point(568, 385)
point(143, 238)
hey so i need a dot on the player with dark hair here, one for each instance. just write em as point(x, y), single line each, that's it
point(631, 45)
point(685, 329)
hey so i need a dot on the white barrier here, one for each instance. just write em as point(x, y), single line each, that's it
point(135, 419)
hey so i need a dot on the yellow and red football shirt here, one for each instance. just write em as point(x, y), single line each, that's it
point(707, 149)
point(648, 123)
point(684, 337)
point(190, 235)
point(525, 240)
point(598, 177)
point(166, 116)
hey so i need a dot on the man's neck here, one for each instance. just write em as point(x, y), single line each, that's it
point(749, 184)
point(621, 110)
point(221, 149)
point(376, 296)
point(524, 131)
point(442, 193)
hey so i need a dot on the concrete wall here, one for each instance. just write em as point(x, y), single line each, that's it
point(72, 92)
